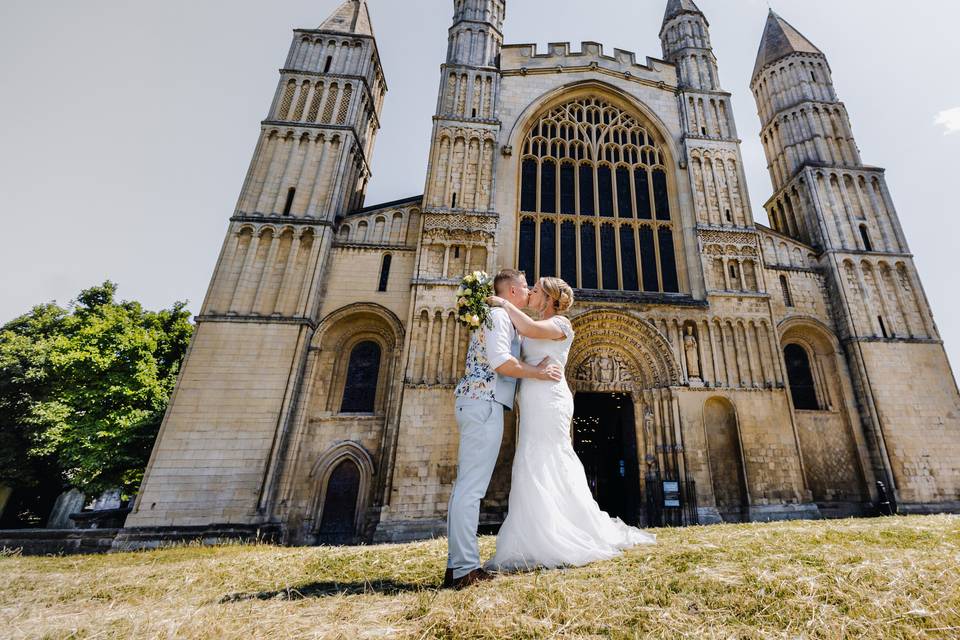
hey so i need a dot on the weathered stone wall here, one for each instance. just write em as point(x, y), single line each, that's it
point(767, 438)
point(209, 461)
point(919, 408)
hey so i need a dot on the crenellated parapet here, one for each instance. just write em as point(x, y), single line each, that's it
point(525, 59)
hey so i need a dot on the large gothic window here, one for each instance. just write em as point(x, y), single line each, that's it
point(360, 388)
point(594, 201)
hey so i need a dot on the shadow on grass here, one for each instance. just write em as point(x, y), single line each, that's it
point(327, 589)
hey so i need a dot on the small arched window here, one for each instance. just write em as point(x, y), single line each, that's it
point(360, 386)
point(883, 327)
point(785, 287)
point(329, 63)
point(802, 387)
point(289, 203)
point(865, 236)
point(385, 272)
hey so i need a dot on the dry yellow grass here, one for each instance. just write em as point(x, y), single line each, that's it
point(883, 578)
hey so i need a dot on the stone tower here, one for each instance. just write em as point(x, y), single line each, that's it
point(825, 197)
point(712, 146)
point(216, 458)
point(458, 226)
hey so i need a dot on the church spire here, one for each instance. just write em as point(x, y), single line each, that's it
point(677, 7)
point(352, 16)
point(685, 37)
point(780, 39)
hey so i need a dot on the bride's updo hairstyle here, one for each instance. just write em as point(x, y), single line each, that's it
point(561, 294)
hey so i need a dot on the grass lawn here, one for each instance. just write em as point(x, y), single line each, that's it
point(881, 578)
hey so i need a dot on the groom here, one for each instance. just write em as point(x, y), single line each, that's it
point(484, 392)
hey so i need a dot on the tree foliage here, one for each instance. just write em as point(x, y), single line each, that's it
point(83, 390)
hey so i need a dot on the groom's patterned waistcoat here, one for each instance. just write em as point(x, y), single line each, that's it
point(489, 348)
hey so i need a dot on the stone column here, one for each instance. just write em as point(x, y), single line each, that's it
point(248, 259)
point(265, 276)
point(286, 281)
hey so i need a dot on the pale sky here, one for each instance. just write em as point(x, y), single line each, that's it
point(126, 127)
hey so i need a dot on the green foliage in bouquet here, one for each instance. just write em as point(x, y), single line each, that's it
point(472, 308)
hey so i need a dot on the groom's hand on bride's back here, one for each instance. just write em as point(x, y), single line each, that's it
point(550, 371)
point(513, 368)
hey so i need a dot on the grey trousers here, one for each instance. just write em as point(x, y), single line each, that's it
point(481, 432)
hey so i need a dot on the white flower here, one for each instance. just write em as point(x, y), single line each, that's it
point(477, 275)
point(459, 292)
point(475, 319)
point(468, 292)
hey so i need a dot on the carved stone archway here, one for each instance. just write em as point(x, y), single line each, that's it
point(619, 351)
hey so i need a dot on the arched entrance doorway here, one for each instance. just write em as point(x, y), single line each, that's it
point(338, 521)
point(625, 430)
point(339, 513)
point(605, 439)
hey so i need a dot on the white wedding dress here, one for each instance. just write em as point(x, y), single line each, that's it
point(552, 519)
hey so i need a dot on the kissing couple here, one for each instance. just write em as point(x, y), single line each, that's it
point(552, 519)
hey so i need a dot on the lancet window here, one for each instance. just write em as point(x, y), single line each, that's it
point(595, 206)
point(360, 390)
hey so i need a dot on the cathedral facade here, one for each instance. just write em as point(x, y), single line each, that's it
point(723, 371)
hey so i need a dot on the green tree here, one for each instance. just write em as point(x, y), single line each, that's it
point(83, 390)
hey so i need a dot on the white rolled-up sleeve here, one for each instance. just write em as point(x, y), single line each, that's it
point(499, 335)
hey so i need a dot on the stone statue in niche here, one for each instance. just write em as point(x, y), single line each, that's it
point(693, 357)
point(650, 444)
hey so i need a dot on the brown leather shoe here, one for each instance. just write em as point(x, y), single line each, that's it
point(448, 579)
point(474, 577)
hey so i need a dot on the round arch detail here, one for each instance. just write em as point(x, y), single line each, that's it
point(618, 351)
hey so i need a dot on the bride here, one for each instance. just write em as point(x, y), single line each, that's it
point(552, 519)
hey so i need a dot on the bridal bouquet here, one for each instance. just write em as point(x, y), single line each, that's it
point(472, 307)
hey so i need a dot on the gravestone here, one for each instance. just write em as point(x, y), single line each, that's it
point(67, 503)
point(108, 500)
point(5, 492)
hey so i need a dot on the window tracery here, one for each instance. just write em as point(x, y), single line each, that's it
point(595, 204)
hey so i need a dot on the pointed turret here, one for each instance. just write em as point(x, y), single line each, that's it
point(685, 37)
point(476, 36)
point(352, 16)
point(803, 121)
point(676, 7)
point(780, 39)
